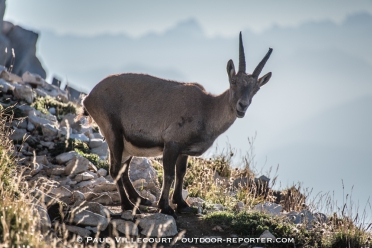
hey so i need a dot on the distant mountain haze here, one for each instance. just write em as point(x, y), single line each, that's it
point(313, 118)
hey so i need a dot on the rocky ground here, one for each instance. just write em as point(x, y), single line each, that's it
point(77, 197)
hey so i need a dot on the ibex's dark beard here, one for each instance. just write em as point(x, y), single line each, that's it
point(240, 114)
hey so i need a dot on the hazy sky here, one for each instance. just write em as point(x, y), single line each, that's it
point(217, 17)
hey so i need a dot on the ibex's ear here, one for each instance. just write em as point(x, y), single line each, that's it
point(264, 79)
point(230, 69)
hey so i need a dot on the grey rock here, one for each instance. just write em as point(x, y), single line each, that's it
point(239, 206)
point(94, 143)
point(65, 157)
point(127, 215)
point(148, 195)
point(39, 119)
point(52, 111)
point(5, 86)
point(102, 172)
point(92, 229)
point(115, 196)
point(294, 217)
point(320, 217)
point(60, 192)
point(92, 183)
point(104, 187)
point(24, 43)
point(269, 207)
point(141, 168)
point(195, 201)
point(18, 134)
point(267, 235)
point(218, 207)
point(158, 225)
point(23, 92)
point(40, 159)
point(103, 199)
point(78, 230)
point(49, 130)
point(56, 171)
point(85, 176)
point(93, 207)
point(64, 132)
point(306, 216)
point(45, 224)
point(101, 151)
point(49, 144)
point(90, 195)
point(88, 218)
point(81, 137)
point(77, 165)
point(30, 127)
point(33, 79)
point(125, 227)
point(78, 196)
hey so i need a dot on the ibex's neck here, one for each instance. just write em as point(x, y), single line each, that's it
point(222, 113)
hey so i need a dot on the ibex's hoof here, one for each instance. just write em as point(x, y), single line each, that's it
point(169, 211)
point(185, 210)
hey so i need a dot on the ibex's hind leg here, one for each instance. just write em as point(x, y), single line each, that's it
point(181, 165)
point(116, 147)
point(131, 191)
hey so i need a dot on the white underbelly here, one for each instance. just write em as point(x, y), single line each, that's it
point(132, 150)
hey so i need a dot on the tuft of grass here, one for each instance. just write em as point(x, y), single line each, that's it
point(253, 224)
point(44, 103)
point(19, 220)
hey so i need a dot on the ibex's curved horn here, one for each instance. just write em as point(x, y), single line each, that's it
point(261, 65)
point(241, 54)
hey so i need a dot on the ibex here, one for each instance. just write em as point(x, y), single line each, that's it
point(146, 116)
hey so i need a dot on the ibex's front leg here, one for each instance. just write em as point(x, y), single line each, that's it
point(181, 165)
point(170, 155)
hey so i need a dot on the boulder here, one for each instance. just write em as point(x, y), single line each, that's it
point(127, 228)
point(18, 134)
point(92, 183)
point(94, 143)
point(85, 176)
point(101, 151)
point(81, 137)
point(82, 232)
point(127, 215)
point(5, 86)
point(158, 225)
point(77, 165)
point(102, 172)
point(24, 44)
point(269, 207)
point(104, 187)
point(23, 92)
point(195, 201)
point(49, 130)
point(88, 218)
point(103, 199)
point(141, 168)
point(45, 224)
point(60, 192)
point(65, 157)
point(33, 79)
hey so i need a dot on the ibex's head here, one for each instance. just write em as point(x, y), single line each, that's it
point(244, 86)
